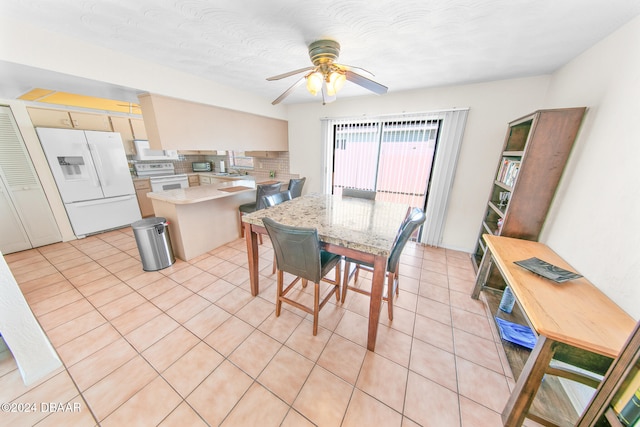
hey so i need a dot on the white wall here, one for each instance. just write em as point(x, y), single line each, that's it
point(492, 106)
point(595, 219)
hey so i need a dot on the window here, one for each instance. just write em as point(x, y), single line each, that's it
point(237, 159)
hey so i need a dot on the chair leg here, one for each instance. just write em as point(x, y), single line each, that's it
point(274, 264)
point(337, 282)
point(241, 226)
point(396, 284)
point(316, 307)
point(390, 283)
point(345, 280)
point(279, 292)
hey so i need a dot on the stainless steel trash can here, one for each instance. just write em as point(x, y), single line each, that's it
point(154, 244)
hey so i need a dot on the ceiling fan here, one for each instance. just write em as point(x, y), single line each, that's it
point(326, 75)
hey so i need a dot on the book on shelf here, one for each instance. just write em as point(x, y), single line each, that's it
point(508, 171)
point(626, 405)
point(630, 414)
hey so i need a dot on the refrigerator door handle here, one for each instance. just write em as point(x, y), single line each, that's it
point(98, 164)
point(91, 169)
point(103, 201)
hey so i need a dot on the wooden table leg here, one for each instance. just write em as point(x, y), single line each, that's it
point(252, 253)
point(377, 286)
point(527, 386)
point(483, 271)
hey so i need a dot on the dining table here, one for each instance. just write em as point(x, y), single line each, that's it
point(363, 230)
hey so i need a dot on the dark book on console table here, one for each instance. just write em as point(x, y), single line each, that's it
point(548, 271)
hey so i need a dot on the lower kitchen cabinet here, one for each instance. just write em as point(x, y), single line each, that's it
point(194, 180)
point(143, 186)
point(205, 180)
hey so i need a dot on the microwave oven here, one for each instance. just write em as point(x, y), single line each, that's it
point(144, 152)
point(201, 166)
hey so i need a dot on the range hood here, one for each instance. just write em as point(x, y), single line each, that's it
point(143, 152)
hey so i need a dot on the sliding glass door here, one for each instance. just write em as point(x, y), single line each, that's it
point(393, 158)
point(406, 158)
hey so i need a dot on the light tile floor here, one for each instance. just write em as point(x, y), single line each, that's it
point(189, 346)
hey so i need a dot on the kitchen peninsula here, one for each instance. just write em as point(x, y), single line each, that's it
point(205, 217)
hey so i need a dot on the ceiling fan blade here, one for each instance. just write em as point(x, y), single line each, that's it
point(351, 68)
point(290, 73)
point(288, 91)
point(366, 83)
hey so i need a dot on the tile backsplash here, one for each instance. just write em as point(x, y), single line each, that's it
point(262, 166)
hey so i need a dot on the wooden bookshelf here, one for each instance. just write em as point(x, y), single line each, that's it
point(539, 144)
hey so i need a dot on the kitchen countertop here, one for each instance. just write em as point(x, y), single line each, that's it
point(227, 177)
point(202, 193)
point(209, 174)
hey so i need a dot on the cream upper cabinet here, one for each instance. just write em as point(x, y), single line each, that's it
point(89, 121)
point(139, 131)
point(41, 117)
point(262, 154)
point(123, 126)
point(175, 124)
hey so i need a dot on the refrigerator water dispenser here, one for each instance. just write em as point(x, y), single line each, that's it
point(72, 167)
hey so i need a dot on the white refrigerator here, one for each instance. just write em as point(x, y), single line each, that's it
point(93, 178)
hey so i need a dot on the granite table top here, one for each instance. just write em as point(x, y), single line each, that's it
point(365, 225)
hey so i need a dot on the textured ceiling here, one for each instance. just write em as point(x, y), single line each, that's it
point(407, 44)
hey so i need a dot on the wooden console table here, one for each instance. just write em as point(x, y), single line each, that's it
point(574, 321)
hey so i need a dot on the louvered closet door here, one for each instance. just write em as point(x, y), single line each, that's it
point(26, 217)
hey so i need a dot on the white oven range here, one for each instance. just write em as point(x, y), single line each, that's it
point(162, 176)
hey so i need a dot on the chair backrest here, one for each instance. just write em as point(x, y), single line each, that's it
point(295, 187)
point(360, 194)
point(276, 199)
point(265, 190)
point(297, 249)
point(411, 223)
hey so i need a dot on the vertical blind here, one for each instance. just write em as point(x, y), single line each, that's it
point(406, 158)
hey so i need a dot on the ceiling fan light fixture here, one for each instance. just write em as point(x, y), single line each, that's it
point(326, 75)
point(335, 81)
point(314, 82)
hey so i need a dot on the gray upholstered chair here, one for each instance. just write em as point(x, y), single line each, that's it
point(276, 199)
point(272, 200)
point(360, 194)
point(411, 223)
point(295, 187)
point(261, 191)
point(298, 252)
